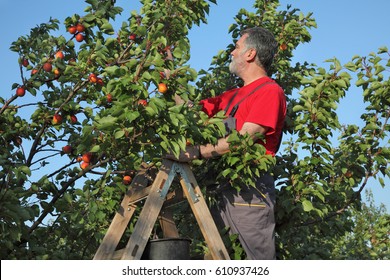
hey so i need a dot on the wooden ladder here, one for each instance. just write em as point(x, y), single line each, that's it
point(156, 196)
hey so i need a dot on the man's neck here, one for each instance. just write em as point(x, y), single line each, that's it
point(250, 80)
point(253, 76)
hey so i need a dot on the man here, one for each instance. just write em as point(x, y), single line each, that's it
point(261, 110)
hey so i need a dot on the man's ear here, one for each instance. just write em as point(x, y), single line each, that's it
point(251, 55)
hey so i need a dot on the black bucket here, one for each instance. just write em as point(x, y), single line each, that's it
point(167, 249)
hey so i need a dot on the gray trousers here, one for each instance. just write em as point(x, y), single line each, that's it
point(250, 214)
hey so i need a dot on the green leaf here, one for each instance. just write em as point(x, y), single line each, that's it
point(119, 134)
point(307, 206)
point(146, 76)
point(107, 28)
point(105, 122)
point(337, 65)
point(341, 83)
point(361, 82)
point(158, 102)
point(111, 69)
point(350, 66)
point(87, 130)
point(133, 115)
point(175, 148)
point(95, 149)
point(298, 108)
point(226, 172)
point(32, 91)
point(110, 41)
point(382, 182)
point(305, 81)
point(150, 111)
point(233, 137)
point(89, 18)
point(232, 27)
point(177, 52)
point(383, 50)
point(25, 170)
point(234, 160)
point(174, 119)
point(68, 198)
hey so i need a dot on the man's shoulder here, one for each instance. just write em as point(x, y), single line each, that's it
point(269, 91)
point(265, 84)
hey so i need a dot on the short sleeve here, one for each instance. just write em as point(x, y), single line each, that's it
point(266, 107)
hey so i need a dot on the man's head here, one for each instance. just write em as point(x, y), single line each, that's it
point(257, 44)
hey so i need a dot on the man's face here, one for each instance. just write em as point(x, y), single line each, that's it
point(237, 65)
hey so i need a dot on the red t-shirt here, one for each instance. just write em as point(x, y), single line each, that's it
point(266, 107)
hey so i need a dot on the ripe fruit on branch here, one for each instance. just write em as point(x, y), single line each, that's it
point(34, 71)
point(283, 47)
point(84, 165)
point(79, 37)
point(127, 179)
point(142, 102)
point(73, 119)
point(93, 78)
point(109, 97)
point(162, 75)
point(100, 81)
point(57, 119)
point(56, 72)
point(162, 88)
point(72, 29)
point(80, 27)
point(59, 55)
point(87, 157)
point(348, 174)
point(20, 91)
point(67, 149)
point(25, 62)
point(132, 37)
point(47, 67)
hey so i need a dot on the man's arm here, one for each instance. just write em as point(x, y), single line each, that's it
point(222, 147)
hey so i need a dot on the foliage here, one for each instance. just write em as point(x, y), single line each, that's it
point(329, 180)
point(370, 237)
point(50, 208)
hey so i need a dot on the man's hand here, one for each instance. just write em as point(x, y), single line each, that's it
point(180, 101)
point(191, 153)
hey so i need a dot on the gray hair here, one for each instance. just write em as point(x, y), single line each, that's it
point(263, 41)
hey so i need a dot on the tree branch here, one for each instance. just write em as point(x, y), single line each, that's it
point(35, 144)
point(344, 208)
point(35, 162)
point(6, 104)
point(64, 188)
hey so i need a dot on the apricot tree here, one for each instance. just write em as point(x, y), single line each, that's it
point(105, 105)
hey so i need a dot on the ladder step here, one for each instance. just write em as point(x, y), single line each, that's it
point(158, 207)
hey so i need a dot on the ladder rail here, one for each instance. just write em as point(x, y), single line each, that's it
point(156, 196)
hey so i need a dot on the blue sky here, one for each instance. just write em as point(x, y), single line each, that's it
point(345, 28)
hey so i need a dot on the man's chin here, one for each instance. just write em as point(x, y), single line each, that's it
point(231, 68)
